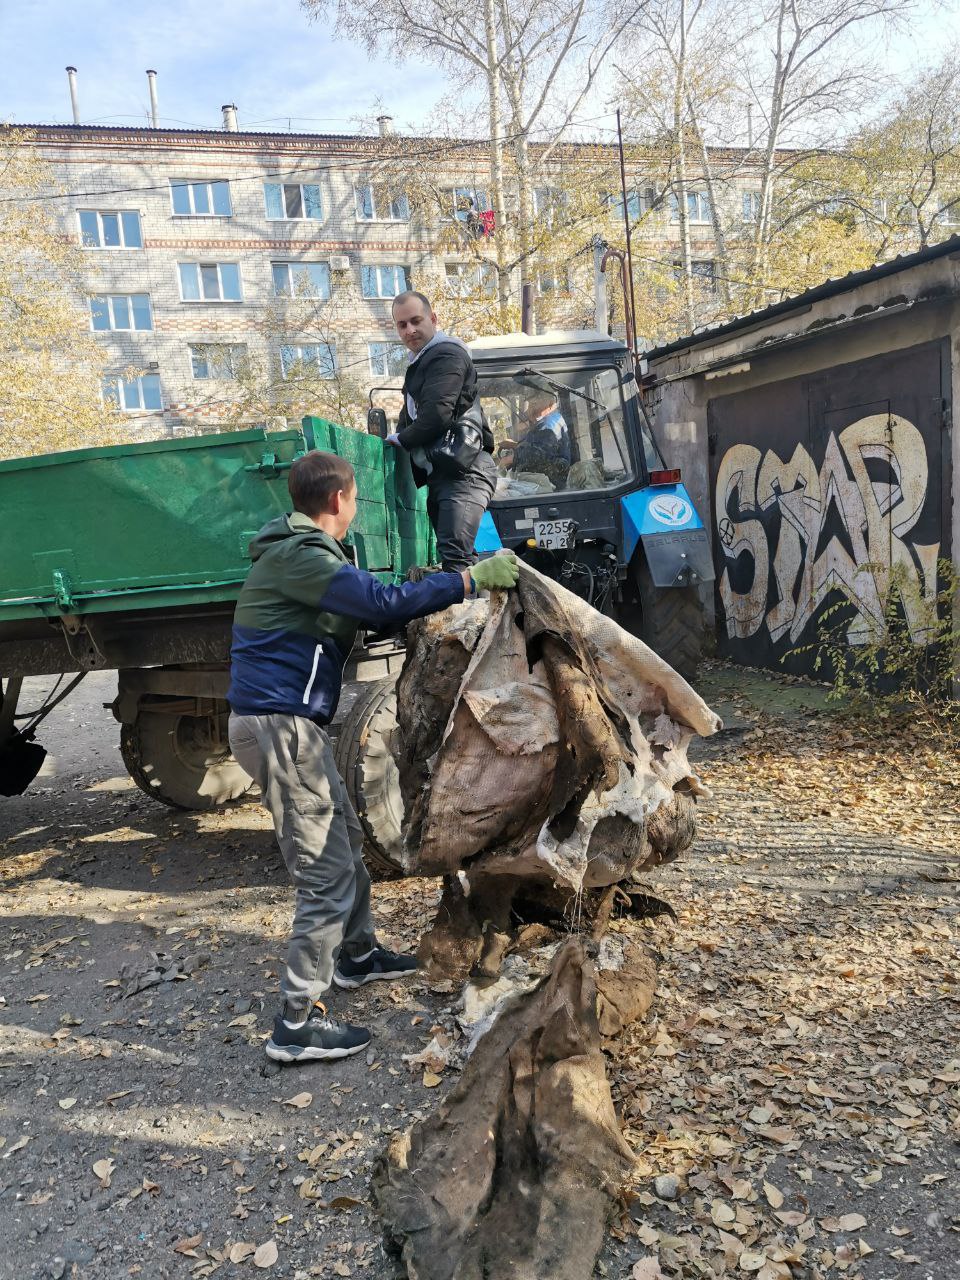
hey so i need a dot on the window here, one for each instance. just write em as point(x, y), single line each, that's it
point(553, 280)
point(120, 230)
point(471, 208)
point(134, 395)
point(379, 203)
point(464, 279)
point(638, 203)
point(316, 358)
point(200, 199)
point(949, 214)
point(209, 281)
point(549, 203)
point(387, 359)
point(293, 200)
point(121, 311)
point(217, 359)
point(556, 434)
point(704, 272)
point(698, 207)
point(751, 206)
point(301, 279)
point(383, 282)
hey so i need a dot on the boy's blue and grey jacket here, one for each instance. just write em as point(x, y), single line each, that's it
point(298, 615)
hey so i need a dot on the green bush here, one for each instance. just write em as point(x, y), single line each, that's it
point(893, 673)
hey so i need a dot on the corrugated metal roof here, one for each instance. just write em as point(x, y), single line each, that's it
point(829, 289)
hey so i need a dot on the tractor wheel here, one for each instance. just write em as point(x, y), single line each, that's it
point(668, 619)
point(182, 760)
point(363, 756)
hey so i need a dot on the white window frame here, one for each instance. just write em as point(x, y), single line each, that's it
point(384, 342)
point(384, 266)
point(949, 216)
point(235, 352)
point(753, 197)
point(102, 247)
point(113, 327)
point(292, 268)
point(394, 195)
point(201, 301)
point(702, 199)
point(288, 217)
point(300, 347)
point(209, 184)
point(560, 275)
point(119, 381)
point(450, 196)
point(471, 273)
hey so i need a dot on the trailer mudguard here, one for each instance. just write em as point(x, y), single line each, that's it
point(677, 546)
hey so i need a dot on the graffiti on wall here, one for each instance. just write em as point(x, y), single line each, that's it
point(843, 527)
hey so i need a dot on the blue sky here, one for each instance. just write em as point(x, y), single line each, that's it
point(264, 55)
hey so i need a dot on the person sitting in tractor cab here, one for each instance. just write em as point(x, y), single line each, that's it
point(545, 447)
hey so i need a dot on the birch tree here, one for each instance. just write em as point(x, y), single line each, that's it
point(533, 62)
point(50, 364)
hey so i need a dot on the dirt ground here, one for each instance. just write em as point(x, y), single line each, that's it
point(794, 1100)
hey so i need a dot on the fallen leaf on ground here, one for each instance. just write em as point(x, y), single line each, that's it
point(104, 1171)
point(848, 1222)
point(66, 1103)
point(244, 1020)
point(17, 1146)
point(647, 1269)
point(188, 1246)
point(774, 1196)
point(431, 1079)
point(241, 1251)
point(267, 1254)
point(298, 1100)
point(721, 1213)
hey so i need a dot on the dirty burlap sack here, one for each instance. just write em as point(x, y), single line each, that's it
point(516, 1174)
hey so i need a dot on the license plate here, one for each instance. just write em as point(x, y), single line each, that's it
point(554, 535)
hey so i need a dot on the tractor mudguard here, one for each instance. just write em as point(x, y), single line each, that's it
point(675, 543)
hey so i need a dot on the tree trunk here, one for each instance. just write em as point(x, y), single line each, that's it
point(496, 160)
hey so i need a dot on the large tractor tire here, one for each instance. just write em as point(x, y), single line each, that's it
point(669, 619)
point(182, 760)
point(367, 767)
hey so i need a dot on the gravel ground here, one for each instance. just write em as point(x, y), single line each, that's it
point(800, 1071)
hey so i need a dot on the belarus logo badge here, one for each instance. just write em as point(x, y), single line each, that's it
point(670, 509)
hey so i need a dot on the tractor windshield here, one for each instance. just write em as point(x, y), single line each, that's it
point(560, 434)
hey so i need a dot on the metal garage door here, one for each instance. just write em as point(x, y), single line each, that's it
point(821, 484)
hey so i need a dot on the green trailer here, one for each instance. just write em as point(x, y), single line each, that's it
point(130, 557)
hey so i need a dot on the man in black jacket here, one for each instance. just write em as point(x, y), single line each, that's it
point(440, 385)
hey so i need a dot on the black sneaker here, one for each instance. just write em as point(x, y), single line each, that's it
point(379, 966)
point(319, 1037)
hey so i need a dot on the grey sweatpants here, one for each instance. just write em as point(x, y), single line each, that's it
point(321, 840)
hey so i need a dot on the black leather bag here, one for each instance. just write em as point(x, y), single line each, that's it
point(459, 447)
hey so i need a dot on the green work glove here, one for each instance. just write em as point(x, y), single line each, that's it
point(497, 571)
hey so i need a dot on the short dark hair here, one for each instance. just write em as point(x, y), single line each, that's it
point(408, 295)
point(315, 478)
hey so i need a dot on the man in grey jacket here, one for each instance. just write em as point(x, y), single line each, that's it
point(439, 386)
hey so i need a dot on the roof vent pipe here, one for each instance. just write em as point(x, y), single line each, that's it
point(229, 110)
point(74, 100)
point(385, 124)
point(154, 109)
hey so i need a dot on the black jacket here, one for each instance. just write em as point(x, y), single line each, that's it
point(443, 385)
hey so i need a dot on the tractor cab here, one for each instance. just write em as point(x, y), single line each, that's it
point(583, 492)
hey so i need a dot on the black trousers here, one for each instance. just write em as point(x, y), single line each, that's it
point(455, 508)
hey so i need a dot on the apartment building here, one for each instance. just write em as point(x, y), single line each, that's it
point(192, 237)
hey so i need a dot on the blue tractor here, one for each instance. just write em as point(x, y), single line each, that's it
point(584, 493)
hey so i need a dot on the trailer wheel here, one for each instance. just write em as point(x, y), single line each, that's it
point(362, 753)
point(182, 760)
point(668, 619)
